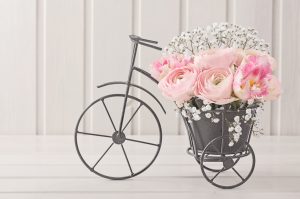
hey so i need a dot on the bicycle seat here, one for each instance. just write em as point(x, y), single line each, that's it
point(144, 42)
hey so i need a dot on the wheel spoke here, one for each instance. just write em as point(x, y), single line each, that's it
point(132, 116)
point(103, 155)
point(94, 134)
point(139, 141)
point(108, 115)
point(238, 173)
point(117, 133)
point(127, 159)
point(217, 174)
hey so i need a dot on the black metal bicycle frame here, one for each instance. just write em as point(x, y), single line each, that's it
point(136, 41)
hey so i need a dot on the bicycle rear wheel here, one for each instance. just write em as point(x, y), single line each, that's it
point(112, 154)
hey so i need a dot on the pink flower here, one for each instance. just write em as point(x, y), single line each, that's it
point(218, 58)
point(274, 89)
point(178, 85)
point(270, 59)
point(253, 78)
point(215, 85)
point(161, 67)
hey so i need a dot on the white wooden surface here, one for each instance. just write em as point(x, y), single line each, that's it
point(53, 53)
point(48, 167)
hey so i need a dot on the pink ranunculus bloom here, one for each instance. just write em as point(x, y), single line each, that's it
point(178, 84)
point(218, 58)
point(253, 78)
point(274, 89)
point(161, 67)
point(270, 59)
point(215, 85)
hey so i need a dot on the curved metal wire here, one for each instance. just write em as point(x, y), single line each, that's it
point(136, 86)
point(132, 173)
point(223, 158)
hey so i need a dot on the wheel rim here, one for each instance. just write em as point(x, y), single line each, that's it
point(229, 162)
point(118, 138)
point(216, 170)
point(198, 160)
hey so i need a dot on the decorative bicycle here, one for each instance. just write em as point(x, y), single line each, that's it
point(210, 150)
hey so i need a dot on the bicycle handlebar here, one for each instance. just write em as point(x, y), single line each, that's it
point(144, 42)
point(150, 46)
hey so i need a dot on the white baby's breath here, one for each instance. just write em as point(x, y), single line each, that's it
point(237, 118)
point(215, 120)
point(193, 109)
point(236, 137)
point(238, 128)
point(217, 35)
point(247, 117)
point(196, 117)
point(248, 111)
point(208, 107)
point(208, 115)
point(250, 101)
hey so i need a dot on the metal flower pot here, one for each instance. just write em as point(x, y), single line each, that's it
point(203, 131)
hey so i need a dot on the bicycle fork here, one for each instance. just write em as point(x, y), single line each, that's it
point(134, 51)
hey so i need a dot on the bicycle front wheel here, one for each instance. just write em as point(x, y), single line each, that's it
point(112, 154)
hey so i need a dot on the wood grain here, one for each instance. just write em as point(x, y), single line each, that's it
point(18, 67)
point(47, 167)
point(290, 71)
point(54, 53)
point(64, 64)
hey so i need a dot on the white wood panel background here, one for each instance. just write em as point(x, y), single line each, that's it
point(53, 53)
